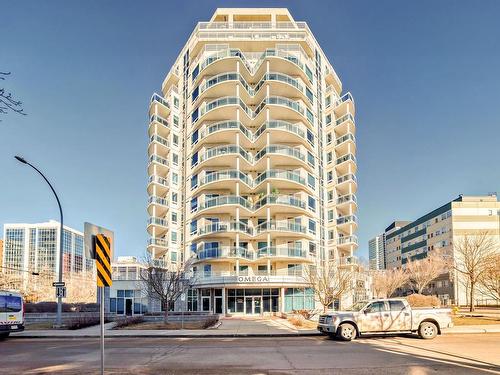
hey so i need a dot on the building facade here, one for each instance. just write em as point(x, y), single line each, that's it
point(376, 252)
point(34, 248)
point(252, 163)
point(439, 230)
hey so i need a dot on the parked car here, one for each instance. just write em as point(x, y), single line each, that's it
point(11, 313)
point(385, 316)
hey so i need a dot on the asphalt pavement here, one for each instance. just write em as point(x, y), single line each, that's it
point(447, 354)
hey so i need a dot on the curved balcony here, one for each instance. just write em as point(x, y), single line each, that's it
point(347, 241)
point(281, 229)
point(346, 184)
point(160, 225)
point(224, 204)
point(158, 125)
point(282, 155)
point(346, 164)
point(281, 179)
point(227, 204)
point(347, 201)
point(344, 222)
point(162, 165)
point(282, 204)
point(279, 131)
point(162, 144)
point(282, 253)
point(160, 204)
point(290, 63)
point(161, 104)
point(160, 183)
point(221, 229)
point(157, 246)
point(218, 180)
point(344, 105)
point(225, 253)
point(217, 157)
point(281, 107)
point(345, 144)
point(345, 124)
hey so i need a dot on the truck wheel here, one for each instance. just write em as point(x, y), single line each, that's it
point(346, 332)
point(4, 335)
point(427, 330)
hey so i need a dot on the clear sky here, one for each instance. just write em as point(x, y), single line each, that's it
point(425, 76)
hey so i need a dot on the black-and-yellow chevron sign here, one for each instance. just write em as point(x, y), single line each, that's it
point(102, 250)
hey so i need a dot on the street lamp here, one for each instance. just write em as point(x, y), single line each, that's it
point(59, 298)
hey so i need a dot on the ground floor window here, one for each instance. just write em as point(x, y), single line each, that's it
point(128, 302)
point(299, 299)
point(192, 301)
point(253, 301)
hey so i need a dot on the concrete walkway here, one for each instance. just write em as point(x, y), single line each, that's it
point(227, 328)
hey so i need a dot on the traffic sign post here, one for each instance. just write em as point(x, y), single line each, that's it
point(102, 252)
point(99, 246)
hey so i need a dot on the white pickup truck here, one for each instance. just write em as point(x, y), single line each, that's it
point(11, 313)
point(385, 316)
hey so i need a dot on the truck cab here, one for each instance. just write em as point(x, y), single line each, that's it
point(11, 313)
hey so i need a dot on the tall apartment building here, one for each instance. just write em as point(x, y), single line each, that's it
point(35, 248)
point(440, 229)
point(252, 163)
point(376, 252)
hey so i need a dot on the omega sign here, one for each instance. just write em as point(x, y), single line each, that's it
point(253, 279)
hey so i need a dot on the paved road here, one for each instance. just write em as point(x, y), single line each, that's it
point(452, 354)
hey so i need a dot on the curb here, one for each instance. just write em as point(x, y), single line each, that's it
point(219, 335)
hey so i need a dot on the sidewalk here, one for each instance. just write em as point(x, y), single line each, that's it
point(227, 328)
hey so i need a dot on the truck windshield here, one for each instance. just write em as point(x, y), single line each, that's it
point(10, 304)
point(357, 306)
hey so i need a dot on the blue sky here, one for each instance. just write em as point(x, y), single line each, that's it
point(425, 76)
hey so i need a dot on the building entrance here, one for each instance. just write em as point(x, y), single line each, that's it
point(253, 305)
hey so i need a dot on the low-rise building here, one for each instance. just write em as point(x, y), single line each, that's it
point(440, 229)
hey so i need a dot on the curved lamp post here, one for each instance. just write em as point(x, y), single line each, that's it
point(59, 299)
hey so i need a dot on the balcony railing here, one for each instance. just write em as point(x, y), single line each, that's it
point(238, 200)
point(344, 158)
point(344, 118)
point(280, 125)
point(296, 57)
point(347, 219)
point(158, 159)
point(344, 98)
point(158, 180)
point(271, 100)
point(157, 138)
point(280, 226)
point(346, 198)
point(223, 150)
point(282, 174)
point(282, 150)
point(347, 240)
point(158, 200)
point(347, 177)
point(160, 120)
point(290, 252)
point(158, 242)
point(345, 138)
point(157, 221)
point(226, 175)
point(159, 99)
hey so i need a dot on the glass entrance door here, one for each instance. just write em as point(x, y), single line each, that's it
point(253, 305)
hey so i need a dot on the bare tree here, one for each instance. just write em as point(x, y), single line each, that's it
point(7, 102)
point(329, 282)
point(163, 284)
point(386, 282)
point(422, 272)
point(489, 283)
point(473, 255)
